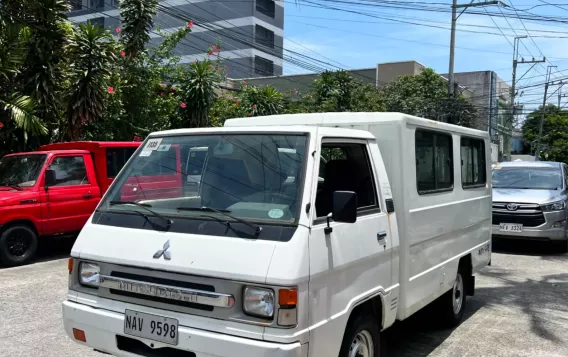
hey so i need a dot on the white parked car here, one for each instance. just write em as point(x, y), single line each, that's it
point(259, 264)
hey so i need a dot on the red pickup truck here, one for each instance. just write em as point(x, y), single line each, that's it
point(54, 191)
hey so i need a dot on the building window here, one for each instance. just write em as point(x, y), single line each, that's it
point(434, 162)
point(473, 162)
point(346, 168)
point(263, 66)
point(76, 5)
point(97, 4)
point(98, 21)
point(265, 7)
point(264, 36)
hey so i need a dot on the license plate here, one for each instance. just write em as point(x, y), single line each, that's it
point(152, 327)
point(510, 227)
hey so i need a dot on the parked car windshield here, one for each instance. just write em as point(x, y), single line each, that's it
point(250, 177)
point(539, 178)
point(21, 170)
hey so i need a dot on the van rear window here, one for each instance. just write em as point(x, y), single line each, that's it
point(434, 162)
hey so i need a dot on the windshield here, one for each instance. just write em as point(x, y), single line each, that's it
point(538, 178)
point(250, 177)
point(21, 170)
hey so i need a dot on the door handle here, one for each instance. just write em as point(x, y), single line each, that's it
point(88, 195)
point(382, 238)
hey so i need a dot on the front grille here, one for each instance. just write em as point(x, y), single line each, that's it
point(168, 282)
point(526, 219)
point(131, 345)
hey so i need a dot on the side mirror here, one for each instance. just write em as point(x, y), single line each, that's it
point(344, 209)
point(50, 179)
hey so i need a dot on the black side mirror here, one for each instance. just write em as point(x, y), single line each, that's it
point(344, 209)
point(50, 179)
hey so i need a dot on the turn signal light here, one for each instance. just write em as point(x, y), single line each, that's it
point(70, 265)
point(79, 335)
point(288, 297)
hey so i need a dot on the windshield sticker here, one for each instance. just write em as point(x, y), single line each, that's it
point(153, 144)
point(275, 213)
point(145, 153)
point(165, 147)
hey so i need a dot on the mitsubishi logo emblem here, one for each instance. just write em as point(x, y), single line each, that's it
point(167, 255)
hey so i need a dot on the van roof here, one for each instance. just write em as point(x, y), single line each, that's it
point(350, 118)
point(88, 145)
point(530, 164)
point(78, 152)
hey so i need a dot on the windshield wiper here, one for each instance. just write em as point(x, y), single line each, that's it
point(145, 206)
point(257, 229)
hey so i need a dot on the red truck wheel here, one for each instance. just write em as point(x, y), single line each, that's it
point(18, 245)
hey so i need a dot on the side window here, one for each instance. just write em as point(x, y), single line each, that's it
point(473, 162)
point(69, 171)
point(347, 168)
point(116, 158)
point(434, 162)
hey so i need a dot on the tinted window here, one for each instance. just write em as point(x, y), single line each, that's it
point(473, 162)
point(116, 158)
point(347, 168)
point(543, 178)
point(76, 4)
point(265, 7)
point(434, 161)
point(69, 171)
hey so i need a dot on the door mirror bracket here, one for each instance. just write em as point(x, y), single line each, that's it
point(344, 209)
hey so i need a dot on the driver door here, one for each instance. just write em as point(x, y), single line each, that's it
point(73, 197)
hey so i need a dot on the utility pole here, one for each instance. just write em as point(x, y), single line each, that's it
point(560, 94)
point(455, 17)
point(538, 138)
point(516, 61)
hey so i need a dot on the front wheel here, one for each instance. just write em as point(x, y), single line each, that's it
point(18, 245)
point(362, 338)
point(452, 304)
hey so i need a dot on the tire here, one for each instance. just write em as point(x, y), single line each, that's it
point(363, 335)
point(451, 305)
point(18, 245)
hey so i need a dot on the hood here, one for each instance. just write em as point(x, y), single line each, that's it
point(220, 257)
point(526, 196)
point(10, 197)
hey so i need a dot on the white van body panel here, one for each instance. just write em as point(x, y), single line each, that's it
point(436, 230)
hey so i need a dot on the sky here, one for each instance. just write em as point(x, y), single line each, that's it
point(377, 33)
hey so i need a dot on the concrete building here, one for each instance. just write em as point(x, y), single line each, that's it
point(250, 32)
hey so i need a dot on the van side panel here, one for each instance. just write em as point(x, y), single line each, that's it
point(444, 227)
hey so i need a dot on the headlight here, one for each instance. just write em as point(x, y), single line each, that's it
point(554, 206)
point(89, 274)
point(258, 302)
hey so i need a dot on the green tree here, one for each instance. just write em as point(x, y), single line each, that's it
point(554, 139)
point(198, 93)
point(44, 70)
point(137, 22)
point(426, 95)
point(93, 52)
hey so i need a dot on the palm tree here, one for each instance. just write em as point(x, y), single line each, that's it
point(14, 106)
point(199, 94)
point(93, 52)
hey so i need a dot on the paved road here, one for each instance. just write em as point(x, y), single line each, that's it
point(520, 309)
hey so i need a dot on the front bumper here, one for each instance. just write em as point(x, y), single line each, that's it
point(101, 328)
